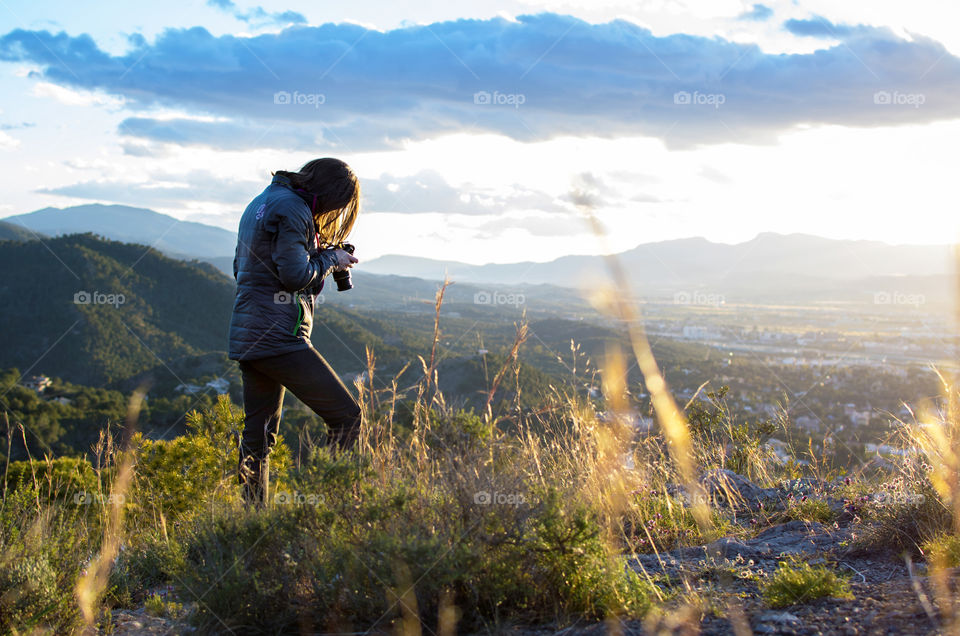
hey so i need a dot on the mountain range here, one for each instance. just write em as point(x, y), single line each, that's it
point(109, 314)
point(767, 260)
point(14, 232)
point(180, 239)
point(769, 268)
point(96, 311)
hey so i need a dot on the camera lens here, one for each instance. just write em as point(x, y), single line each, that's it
point(343, 280)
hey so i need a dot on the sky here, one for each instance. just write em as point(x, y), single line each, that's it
point(486, 131)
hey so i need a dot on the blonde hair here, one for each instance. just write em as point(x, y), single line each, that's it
point(335, 192)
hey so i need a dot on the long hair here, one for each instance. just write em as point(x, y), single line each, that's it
point(333, 193)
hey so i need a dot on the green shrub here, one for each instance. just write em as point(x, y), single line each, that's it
point(41, 557)
point(59, 480)
point(722, 442)
point(795, 582)
point(368, 553)
point(29, 594)
point(901, 518)
point(157, 605)
point(143, 565)
point(656, 522)
point(177, 478)
point(943, 551)
point(809, 509)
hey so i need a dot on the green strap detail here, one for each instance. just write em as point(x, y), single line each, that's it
point(296, 328)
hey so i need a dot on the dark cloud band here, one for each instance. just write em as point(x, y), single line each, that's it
point(347, 87)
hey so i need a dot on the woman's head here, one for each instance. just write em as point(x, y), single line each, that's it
point(337, 196)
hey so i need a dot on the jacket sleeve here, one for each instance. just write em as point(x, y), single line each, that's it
point(326, 263)
point(296, 268)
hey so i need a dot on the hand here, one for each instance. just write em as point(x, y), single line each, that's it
point(345, 259)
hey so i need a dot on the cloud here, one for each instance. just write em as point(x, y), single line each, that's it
point(820, 28)
point(137, 148)
point(758, 13)
point(227, 135)
point(540, 225)
point(257, 16)
point(20, 126)
point(534, 78)
point(164, 190)
point(428, 191)
point(7, 142)
point(70, 97)
point(713, 174)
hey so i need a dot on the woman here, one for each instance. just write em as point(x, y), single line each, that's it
point(287, 243)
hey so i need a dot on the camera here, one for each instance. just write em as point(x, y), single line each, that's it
point(342, 278)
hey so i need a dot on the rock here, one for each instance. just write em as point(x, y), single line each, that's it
point(777, 623)
point(797, 537)
point(130, 622)
point(723, 487)
point(729, 548)
point(779, 618)
point(791, 538)
point(727, 488)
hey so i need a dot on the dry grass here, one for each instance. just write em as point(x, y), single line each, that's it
point(441, 518)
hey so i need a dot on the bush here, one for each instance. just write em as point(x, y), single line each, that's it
point(177, 478)
point(56, 480)
point(809, 509)
point(41, 557)
point(143, 565)
point(900, 519)
point(157, 605)
point(795, 582)
point(29, 594)
point(722, 442)
point(357, 552)
point(943, 551)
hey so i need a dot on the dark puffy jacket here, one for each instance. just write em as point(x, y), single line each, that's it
point(279, 271)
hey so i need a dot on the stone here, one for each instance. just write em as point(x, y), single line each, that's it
point(779, 618)
point(729, 488)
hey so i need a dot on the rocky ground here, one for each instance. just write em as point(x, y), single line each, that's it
point(129, 622)
point(889, 595)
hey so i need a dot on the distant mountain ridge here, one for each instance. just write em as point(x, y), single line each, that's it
point(768, 267)
point(768, 260)
point(180, 239)
point(96, 312)
point(105, 313)
point(14, 232)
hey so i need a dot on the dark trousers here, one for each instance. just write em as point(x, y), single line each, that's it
point(310, 378)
